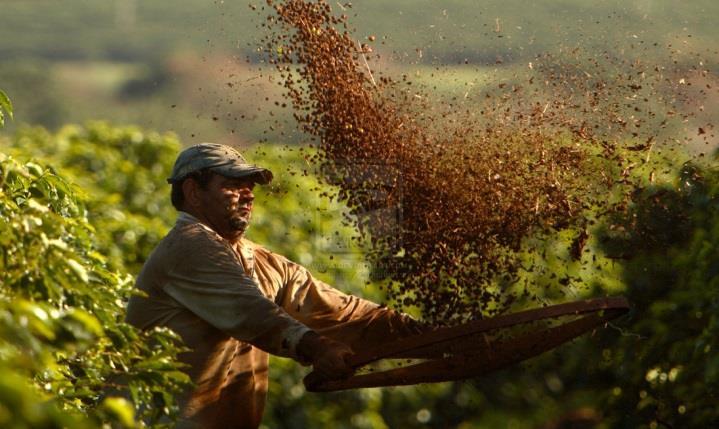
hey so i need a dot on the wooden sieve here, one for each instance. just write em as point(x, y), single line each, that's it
point(465, 351)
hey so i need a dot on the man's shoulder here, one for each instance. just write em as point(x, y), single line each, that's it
point(191, 237)
point(195, 230)
point(189, 249)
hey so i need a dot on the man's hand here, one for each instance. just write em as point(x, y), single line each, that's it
point(327, 356)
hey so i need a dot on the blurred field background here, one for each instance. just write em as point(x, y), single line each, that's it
point(193, 66)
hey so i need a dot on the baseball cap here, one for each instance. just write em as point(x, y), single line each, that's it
point(221, 159)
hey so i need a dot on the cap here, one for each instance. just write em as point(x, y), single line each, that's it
point(219, 158)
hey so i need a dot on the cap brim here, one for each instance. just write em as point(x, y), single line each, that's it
point(259, 175)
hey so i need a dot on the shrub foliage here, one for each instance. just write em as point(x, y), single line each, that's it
point(63, 342)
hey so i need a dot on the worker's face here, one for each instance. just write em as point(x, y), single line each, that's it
point(226, 205)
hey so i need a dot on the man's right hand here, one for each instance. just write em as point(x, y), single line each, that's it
point(327, 356)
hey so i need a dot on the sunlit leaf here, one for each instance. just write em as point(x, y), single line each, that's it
point(78, 269)
point(121, 410)
point(5, 107)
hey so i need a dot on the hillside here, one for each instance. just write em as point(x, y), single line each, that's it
point(192, 66)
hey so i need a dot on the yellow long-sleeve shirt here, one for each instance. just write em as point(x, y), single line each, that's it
point(234, 304)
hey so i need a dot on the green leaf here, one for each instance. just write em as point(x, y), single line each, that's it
point(88, 322)
point(78, 269)
point(5, 105)
point(121, 410)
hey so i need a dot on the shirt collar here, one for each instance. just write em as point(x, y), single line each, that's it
point(244, 246)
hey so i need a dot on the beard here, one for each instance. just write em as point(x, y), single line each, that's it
point(239, 223)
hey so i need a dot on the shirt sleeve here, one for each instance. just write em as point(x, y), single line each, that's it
point(347, 318)
point(209, 280)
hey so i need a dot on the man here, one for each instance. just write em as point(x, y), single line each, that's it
point(233, 301)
